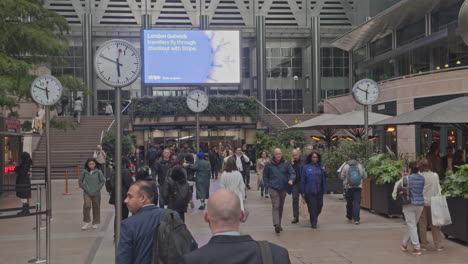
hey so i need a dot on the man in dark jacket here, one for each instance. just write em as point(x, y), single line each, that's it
point(161, 169)
point(136, 234)
point(214, 158)
point(227, 245)
point(277, 175)
point(297, 166)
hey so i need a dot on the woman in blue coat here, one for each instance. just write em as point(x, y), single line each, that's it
point(313, 186)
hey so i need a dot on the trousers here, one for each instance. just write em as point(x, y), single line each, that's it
point(277, 204)
point(412, 214)
point(424, 221)
point(295, 200)
point(353, 203)
point(314, 204)
point(95, 203)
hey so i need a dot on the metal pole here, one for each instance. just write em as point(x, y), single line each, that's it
point(146, 24)
point(49, 188)
point(316, 80)
point(276, 101)
point(261, 60)
point(366, 122)
point(88, 62)
point(197, 117)
point(38, 228)
point(118, 166)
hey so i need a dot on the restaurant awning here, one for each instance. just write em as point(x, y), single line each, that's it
point(313, 122)
point(403, 13)
point(450, 112)
point(352, 119)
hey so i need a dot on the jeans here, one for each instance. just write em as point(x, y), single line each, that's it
point(295, 200)
point(263, 189)
point(78, 116)
point(353, 203)
point(424, 221)
point(162, 203)
point(246, 176)
point(95, 203)
point(412, 214)
point(277, 204)
point(314, 204)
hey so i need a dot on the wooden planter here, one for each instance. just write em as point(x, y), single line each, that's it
point(335, 185)
point(382, 201)
point(366, 197)
point(459, 212)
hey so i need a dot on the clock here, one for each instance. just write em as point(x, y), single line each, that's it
point(117, 63)
point(197, 101)
point(46, 90)
point(366, 91)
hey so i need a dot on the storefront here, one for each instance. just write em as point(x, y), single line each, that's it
point(11, 148)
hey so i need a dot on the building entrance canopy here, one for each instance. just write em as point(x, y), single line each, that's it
point(404, 12)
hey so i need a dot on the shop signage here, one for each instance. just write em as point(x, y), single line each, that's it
point(13, 125)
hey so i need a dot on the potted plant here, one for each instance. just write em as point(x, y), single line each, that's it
point(455, 187)
point(386, 172)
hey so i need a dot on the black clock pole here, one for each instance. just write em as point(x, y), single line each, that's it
point(49, 187)
point(197, 118)
point(118, 166)
point(366, 122)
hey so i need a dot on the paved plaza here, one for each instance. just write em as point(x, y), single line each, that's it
point(376, 240)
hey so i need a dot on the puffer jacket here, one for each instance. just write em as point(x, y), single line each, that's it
point(277, 176)
point(313, 179)
point(416, 185)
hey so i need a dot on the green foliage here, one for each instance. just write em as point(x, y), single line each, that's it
point(335, 156)
point(26, 126)
point(108, 144)
point(384, 169)
point(62, 124)
point(228, 106)
point(265, 142)
point(30, 35)
point(73, 84)
point(287, 135)
point(456, 184)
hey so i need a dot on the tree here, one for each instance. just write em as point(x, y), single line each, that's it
point(108, 144)
point(30, 35)
point(298, 136)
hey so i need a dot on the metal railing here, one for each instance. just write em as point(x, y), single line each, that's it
point(104, 132)
point(279, 118)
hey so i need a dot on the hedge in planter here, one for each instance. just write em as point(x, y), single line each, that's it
point(455, 186)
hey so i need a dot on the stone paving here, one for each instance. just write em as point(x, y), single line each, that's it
point(376, 240)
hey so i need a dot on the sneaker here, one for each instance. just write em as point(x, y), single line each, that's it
point(424, 248)
point(266, 196)
point(95, 226)
point(440, 249)
point(404, 248)
point(277, 229)
point(356, 222)
point(202, 207)
point(248, 186)
point(86, 226)
point(192, 205)
point(295, 221)
point(314, 226)
point(417, 252)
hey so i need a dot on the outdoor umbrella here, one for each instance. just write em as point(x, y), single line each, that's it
point(313, 122)
point(352, 120)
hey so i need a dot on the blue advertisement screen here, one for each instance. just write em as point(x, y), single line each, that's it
point(191, 57)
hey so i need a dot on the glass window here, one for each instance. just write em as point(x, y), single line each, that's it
point(285, 52)
point(275, 52)
point(381, 45)
point(411, 32)
point(446, 16)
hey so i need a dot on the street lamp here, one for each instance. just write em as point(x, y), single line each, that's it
point(296, 78)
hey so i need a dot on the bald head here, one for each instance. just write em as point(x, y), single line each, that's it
point(296, 154)
point(224, 211)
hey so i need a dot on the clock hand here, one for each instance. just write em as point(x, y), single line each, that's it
point(362, 90)
point(47, 90)
point(40, 88)
point(111, 60)
point(118, 66)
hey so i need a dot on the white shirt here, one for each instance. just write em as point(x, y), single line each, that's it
point(78, 105)
point(239, 161)
point(431, 186)
point(108, 109)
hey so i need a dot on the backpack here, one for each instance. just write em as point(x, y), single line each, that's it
point(110, 181)
point(354, 176)
point(171, 239)
point(181, 193)
point(403, 193)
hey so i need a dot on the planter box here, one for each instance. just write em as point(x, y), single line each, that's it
point(382, 201)
point(459, 212)
point(366, 198)
point(335, 185)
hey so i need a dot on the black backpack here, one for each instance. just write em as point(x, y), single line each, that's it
point(181, 193)
point(110, 181)
point(171, 240)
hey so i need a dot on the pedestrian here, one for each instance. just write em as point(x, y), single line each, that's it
point(431, 189)
point(78, 108)
point(313, 186)
point(63, 105)
point(231, 179)
point(162, 166)
point(276, 176)
point(144, 174)
point(100, 156)
point(243, 165)
point(127, 181)
point(213, 157)
point(202, 178)
point(91, 181)
point(433, 157)
point(227, 245)
point(137, 231)
point(177, 191)
point(261, 163)
point(190, 174)
point(352, 174)
point(412, 212)
point(308, 150)
point(108, 109)
point(458, 159)
point(23, 182)
point(447, 160)
point(295, 190)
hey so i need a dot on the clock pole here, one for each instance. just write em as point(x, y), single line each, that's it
point(118, 166)
point(49, 187)
point(366, 122)
point(197, 118)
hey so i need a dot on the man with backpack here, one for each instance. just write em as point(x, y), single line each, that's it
point(152, 235)
point(352, 175)
point(227, 245)
point(177, 191)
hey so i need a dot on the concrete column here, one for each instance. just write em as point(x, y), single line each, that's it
point(87, 28)
point(261, 61)
point(204, 22)
point(145, 24)
point(316, 78)
point(428, 23)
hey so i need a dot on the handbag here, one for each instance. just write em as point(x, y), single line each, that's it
point(439, 210)
point(404, 192)
point(303, 210)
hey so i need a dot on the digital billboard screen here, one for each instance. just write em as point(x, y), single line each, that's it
point(191, 57)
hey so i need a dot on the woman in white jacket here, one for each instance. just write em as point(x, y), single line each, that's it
point(431, 188)
point(231, 179)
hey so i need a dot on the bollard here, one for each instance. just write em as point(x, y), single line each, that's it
point(38, 229)
point(66, 183)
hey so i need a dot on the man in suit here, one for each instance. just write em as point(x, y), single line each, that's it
point(227, 245)
point(136, 234)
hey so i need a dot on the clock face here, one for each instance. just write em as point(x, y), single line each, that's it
point(117, 63)
point(366, 91)
point(197, 101)
point(46, 90)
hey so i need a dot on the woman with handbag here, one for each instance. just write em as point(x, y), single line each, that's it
point(261, 163)
point(410, 191)
point(431, 189)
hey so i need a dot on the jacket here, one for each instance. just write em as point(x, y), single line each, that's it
point(297, 166)
point(234, 182)
point(234, 250)
point(136, 236)
point(314, 179)
point(416, 186)
point(92, 182)
point(345, 170)
point(126, 183)
point(23, 180)
point(161, 168)
point(170, 187)
point(277, 176)
point(431, 186)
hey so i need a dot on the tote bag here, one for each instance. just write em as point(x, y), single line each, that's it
point(439, 210)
